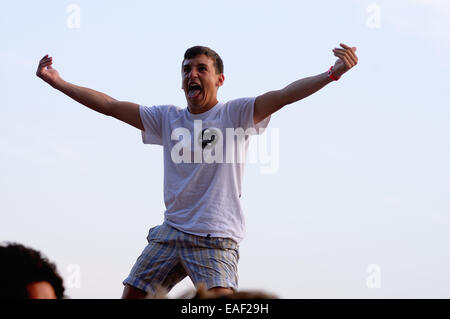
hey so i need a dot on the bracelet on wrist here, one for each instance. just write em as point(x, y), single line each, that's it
point(331, 74)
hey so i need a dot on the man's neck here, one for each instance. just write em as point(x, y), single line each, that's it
point(201, 109)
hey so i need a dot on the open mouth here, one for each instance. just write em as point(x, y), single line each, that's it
point(194, 90)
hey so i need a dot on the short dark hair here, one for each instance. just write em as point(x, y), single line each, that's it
point(198, 50)
point(20, 266)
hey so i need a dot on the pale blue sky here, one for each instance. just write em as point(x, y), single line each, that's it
point(363, 164)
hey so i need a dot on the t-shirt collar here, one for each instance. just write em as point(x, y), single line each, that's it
point(203, 115)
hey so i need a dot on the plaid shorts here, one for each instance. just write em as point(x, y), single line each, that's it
point(171, 255)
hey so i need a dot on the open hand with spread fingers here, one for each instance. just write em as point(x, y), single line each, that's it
point(46, 72)
point(347, 59)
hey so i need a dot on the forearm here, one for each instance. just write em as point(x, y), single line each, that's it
point(272, 101)
point(303, 88)
point(94, 100)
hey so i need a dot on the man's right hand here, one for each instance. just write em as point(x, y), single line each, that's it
point(46, 72)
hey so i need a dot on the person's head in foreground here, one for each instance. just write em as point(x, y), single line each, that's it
point(26, 274)
point(202, 75)
point(201, 292)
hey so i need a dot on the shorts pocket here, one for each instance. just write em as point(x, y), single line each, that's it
point(224, 243)
point(153, 233)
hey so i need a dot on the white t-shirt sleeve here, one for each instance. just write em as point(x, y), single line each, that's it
point(151, 117)
point(241, 114)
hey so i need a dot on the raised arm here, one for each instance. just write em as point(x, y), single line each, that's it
point(125, 111)
point(272, 101)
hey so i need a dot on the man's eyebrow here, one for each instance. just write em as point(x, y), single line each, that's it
point(189, 65)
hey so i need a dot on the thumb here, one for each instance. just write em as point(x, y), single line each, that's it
point(354, 49)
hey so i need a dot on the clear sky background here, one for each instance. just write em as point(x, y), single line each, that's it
point(359, 206)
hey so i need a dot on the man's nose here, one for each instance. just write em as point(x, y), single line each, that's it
point(193, 74)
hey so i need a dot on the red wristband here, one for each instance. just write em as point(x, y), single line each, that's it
point(331, 75)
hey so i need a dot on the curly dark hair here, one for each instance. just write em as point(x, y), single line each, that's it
point(198, 50)
point(20, 266)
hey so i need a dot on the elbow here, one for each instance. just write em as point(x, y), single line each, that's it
point(285, 98)
point(280, 98)
point(109, 107)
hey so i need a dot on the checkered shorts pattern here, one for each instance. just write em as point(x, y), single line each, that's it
point(171, 255)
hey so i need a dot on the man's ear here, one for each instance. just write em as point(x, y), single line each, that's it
point(220, 80)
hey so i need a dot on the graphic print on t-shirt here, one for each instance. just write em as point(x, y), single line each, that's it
point(208, 138)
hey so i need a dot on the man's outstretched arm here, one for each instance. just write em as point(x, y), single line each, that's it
point(272, 101)
point(125, 111)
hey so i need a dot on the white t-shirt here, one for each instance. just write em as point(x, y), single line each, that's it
point(202, 187)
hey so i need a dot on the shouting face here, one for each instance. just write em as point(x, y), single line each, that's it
point(200, 83)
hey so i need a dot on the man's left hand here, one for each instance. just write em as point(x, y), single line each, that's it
point(347, 59)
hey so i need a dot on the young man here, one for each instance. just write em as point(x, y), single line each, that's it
point(203, 167)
